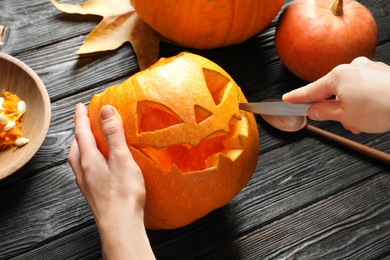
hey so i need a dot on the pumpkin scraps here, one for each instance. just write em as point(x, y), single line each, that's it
point(12, 110)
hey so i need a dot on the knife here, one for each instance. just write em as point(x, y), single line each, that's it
point(276, 108)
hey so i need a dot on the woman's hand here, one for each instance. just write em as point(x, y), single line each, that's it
point(114, 187)
point(362, 91)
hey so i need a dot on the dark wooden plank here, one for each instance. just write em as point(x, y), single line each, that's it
point(364, 208)
point(64, 73)
point(34, 24)
point(39, 208)
point(354, 224)
point(87, 246)
point(300, 177)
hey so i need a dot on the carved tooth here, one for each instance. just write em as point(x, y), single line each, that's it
point(21, 107)
point(10, 124)
point(21, 141)
point(1, 103)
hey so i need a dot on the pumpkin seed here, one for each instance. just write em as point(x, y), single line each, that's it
point(21, 107)
point(10, 124)
point(3, 119)
point(21, 141)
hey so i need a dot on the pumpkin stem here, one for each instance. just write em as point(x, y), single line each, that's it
point(337, 7)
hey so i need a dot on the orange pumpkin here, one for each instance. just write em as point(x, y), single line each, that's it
point(205, 24)
point(196, 149)
point(312, 37)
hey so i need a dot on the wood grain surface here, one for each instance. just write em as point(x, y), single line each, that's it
point(309, 198)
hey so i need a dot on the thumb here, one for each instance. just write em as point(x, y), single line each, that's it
point(326, 110)
point(112, 126)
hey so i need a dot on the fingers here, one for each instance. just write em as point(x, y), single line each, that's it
point(363, 62)
point(84, 155)
point(74, 160)
point(74, 157)
point(112, 126)
point(328, 85)
point(352, 129)
point(82, 144)
point(316, 91)
point(326, 110)
point(84, 137)
point(329, 110)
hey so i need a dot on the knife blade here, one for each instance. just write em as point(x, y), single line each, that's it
point(276, 108)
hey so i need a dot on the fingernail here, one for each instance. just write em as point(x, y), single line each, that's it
point(313, 113)
point(107, 112)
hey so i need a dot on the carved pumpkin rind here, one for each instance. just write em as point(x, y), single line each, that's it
point(208, 24)
point(201, 154)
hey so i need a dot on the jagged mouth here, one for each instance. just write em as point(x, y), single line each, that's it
point(205, 155)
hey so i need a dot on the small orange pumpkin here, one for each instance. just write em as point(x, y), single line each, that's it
point(314, 36)
point(196, 149)
point(205, 24)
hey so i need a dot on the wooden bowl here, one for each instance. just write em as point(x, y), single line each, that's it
point(17, 78)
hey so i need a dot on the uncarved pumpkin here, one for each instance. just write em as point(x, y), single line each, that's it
point(196, 149)
point(205, 24)
point(314, 36)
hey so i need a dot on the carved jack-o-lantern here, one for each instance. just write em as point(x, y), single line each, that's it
point(196, 149)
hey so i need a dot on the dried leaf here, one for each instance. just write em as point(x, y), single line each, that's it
point(120, 24)
point(1, 34)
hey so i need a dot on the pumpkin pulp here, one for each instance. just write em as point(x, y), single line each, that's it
point(10, 111)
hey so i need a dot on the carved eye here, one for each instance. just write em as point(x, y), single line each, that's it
point(153, 116)
point(217, 83)
point(201, 114)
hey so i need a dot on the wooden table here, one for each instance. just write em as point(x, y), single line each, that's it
point(309, 198)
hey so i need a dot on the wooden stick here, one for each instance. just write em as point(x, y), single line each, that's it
point(369, 151)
